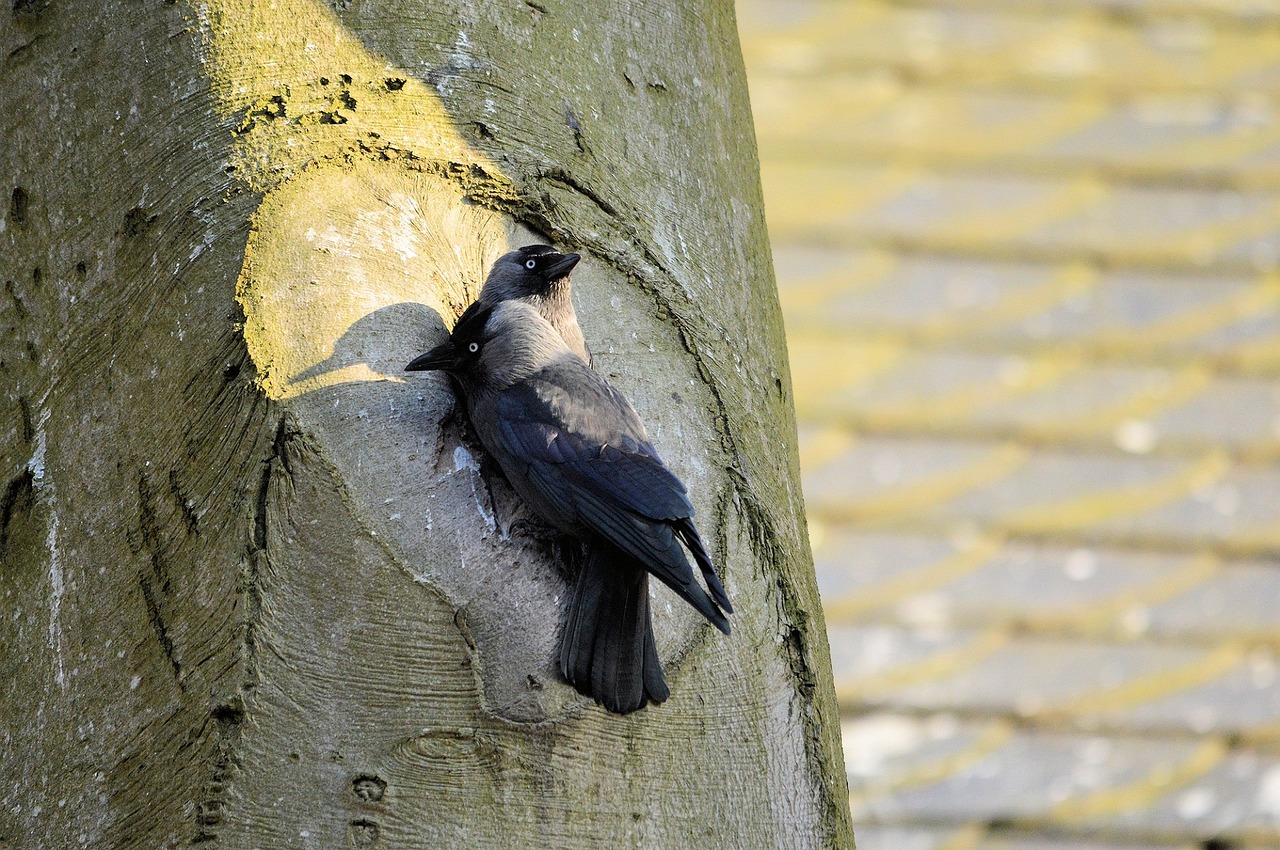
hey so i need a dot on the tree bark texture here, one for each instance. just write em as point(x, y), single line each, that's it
point(260, 588)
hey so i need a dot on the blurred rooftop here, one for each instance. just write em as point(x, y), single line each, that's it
point(1029, 258)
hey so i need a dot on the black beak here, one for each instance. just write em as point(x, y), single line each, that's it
point(439, 359)
point(561, 268)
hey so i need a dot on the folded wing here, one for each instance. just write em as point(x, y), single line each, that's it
point(586, 454)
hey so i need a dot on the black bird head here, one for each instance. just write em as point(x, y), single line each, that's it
point(538, 275)
point(527, 272)
point(496, 346)
point(460, 353)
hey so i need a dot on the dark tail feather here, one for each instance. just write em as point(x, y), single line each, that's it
point(655, 545)
point(655, 681)
point(607, 651)
point(689, 534)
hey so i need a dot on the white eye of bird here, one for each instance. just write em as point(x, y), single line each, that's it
point(473, 347)
point(530, 264)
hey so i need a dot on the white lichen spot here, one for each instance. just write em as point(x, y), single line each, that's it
point(36, 464)
point(44, 484)
point(134, 682)
point(463, 460)
point(55, 597)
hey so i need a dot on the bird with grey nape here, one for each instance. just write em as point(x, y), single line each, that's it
point(538, 275)
point(577, 453)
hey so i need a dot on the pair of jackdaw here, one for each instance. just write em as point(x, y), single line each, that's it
point(578, 455)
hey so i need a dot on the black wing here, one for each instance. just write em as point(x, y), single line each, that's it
point(583, 450)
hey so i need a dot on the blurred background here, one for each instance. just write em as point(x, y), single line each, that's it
point(1027, 253)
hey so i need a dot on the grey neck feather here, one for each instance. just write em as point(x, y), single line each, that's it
point(555, 303)
point(556, 306)
point(520, 343)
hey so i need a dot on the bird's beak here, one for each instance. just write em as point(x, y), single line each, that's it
point(439, 359)
point(562, 267)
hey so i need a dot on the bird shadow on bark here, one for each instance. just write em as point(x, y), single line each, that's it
point(438, 504)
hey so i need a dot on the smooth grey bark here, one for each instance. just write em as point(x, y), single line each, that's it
point(260, 590)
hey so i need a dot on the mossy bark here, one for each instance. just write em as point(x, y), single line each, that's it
point(261, 590)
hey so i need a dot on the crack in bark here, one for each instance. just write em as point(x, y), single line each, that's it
point(184, 504)
point(149, 531)
point(564, 178)
point(19, 203)
point(156, 586)
point(28, 422)
point(156, 620)
point(227, 718)
point(227, 715)
point(25, 46)
point(11, 289)
point(19, 496)
point(251, 570)
point(29, 7)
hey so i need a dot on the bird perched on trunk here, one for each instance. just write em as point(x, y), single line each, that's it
point(578, 455)
point(538, 275)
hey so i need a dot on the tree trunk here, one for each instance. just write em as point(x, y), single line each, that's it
point(262, 589)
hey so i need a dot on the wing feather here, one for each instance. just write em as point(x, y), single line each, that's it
point(582, 451)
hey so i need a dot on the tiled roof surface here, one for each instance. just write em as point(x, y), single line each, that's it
point(1029, 258)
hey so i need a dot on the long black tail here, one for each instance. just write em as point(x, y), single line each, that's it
point(607, 651)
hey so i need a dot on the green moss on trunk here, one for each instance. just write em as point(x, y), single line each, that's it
point(261, 590)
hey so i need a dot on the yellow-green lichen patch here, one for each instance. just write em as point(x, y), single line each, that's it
point(337, 260)
point(299, 89)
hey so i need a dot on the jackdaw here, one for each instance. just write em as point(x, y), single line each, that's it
point(539, 276)
point(577, 453)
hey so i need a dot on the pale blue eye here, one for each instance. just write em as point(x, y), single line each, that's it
point(473, 347)
point(529, 264)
